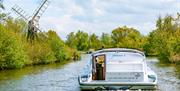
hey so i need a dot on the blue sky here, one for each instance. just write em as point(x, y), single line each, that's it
point(97, 16)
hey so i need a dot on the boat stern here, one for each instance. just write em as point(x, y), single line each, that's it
point(87, 84)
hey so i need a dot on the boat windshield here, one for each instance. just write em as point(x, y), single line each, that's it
point(124, 56)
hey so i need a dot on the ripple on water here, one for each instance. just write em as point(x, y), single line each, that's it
point(167, 78)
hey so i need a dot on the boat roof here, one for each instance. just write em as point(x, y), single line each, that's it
point(118, 50)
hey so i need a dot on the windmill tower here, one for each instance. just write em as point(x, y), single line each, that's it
point(33, 22)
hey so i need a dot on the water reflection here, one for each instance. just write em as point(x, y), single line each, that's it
point(31, 70)
point(177, 67)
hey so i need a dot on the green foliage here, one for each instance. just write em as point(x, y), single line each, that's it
point(164, 41)
point(12, 53)
point(126, 37)
point(106, 40)
point(16, 51)
point(80, 40)
point(76, 55)
point(39, 53)
point(71, 40)
point(94, 42)
point(58, 47)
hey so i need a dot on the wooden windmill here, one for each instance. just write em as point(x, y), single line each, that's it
point(32, 21)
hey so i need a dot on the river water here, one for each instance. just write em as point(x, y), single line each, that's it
point(57, 77)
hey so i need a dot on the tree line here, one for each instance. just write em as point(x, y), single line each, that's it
point(17, 52)
point(163, 42)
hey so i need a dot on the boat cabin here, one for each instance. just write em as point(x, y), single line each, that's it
point(118, 68)
point(117, 65)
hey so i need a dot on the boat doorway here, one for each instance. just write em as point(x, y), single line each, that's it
point(99, 67)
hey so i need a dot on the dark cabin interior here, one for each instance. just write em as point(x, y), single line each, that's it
point(99, 67)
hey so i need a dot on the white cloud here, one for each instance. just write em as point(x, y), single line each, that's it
point(97, 16)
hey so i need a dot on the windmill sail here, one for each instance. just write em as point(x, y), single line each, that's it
point(33, 22)
point(20, 12)
point(41, 9)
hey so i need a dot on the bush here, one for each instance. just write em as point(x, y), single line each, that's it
point(40, 53)
point(12, 53)
point(76, 55)
point(61, 51)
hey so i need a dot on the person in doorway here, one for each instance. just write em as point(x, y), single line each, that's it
point(99, 65)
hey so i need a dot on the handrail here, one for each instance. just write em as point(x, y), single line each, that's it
point(118, 50)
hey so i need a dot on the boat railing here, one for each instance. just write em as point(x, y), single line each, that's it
point(119, 50)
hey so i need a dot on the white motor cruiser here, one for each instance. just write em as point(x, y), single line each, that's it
point(118, 69)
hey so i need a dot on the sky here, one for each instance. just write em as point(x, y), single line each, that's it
point(97, 16)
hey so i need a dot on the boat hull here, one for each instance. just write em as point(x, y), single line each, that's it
point(91, 85)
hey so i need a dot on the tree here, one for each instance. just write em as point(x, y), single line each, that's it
point(164, 40)
point(94, 42)
point(159, 23)
point(106, 40)
point(126, 37)
point(71, 40)
point(82, 40)
point(61, 51)
point(167, 23)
